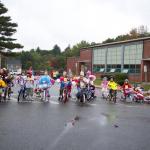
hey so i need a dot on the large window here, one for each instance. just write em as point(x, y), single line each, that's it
point(99, 55)
point(98, 68)
point(133, 57)
point(114, 59)
point(117, 68)
point(114, 55)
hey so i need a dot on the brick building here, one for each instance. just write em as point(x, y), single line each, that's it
point(131, 57)
point(84, 62)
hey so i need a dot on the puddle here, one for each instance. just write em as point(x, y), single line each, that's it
point(104, 119)
point(110, 117)
point(68, 126)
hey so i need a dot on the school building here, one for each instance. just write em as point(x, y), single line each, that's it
point(131, 57)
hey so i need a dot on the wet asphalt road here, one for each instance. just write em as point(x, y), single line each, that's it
point(52, 126)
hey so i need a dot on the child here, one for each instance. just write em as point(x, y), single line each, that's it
point(126, 88)
point(29, 84)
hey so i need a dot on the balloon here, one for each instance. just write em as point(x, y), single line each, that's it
point(92, 77)
point(58, 80)
point(73, 83)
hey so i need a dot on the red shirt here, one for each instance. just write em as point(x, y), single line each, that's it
point(126, 86)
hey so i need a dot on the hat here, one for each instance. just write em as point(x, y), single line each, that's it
point(81, 73)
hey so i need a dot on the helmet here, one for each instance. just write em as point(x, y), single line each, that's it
point(81, 73)
point(111, 77)
point(64, 73)
point(61, 78)
point(126, 80)
point(105, 78)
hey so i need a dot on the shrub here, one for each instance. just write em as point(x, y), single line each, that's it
point(118, 77)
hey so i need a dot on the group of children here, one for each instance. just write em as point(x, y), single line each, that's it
point(6, 82)
point(127, 88)
point(80, 82)
point(35, 83)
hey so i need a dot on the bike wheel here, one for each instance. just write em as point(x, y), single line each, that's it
point(114, 99)
point(64, 97)
point(89, 96)
point(44, 96)
point(20, 96)
point(9, 93)
point(108, 98)
point(47, 95)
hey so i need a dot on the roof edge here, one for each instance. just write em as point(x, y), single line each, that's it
point(119, 42)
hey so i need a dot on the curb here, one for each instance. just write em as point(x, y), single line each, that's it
point(97, 86)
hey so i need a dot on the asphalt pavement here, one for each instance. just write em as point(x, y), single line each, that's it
point(98, 125)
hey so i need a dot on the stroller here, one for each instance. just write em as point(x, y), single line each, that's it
point(138, 95)
point(127, 95)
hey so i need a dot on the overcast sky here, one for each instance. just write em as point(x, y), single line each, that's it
point(45, 23)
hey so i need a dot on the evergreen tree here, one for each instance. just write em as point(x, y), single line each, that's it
point(56, 50)
point(7, 29)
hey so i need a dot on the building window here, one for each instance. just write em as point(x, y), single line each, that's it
point(99, 55)
point(132, 68)
point(114, 55)
point(98, 68)
point(114, 66)
point(133, 57)
point(114, 59)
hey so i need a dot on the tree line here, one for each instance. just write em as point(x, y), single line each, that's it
point(54, 58)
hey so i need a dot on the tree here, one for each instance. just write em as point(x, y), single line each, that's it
point(56, 50)
point(76, 48)
point(134, 33)
point(7, 29)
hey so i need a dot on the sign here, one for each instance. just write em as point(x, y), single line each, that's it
point(145, 68)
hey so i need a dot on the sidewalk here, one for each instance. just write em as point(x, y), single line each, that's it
point(98, 86)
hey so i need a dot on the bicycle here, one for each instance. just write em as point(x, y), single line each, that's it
point(2, 94)
point(8, 90)
point(45, 96)
point(25, 94)
point(112, 96)
point(64, 96)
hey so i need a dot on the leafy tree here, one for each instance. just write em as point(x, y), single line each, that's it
point(133, 34)
point(7, 29)
point(56, 50)
point(76, 48)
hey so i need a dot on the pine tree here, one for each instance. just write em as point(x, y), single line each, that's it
point(7, 29)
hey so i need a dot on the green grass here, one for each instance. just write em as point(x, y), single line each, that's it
point(98, 82)
point(146, 87)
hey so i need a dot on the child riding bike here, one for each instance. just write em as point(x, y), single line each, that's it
point(45, 83)
point(81, 85)
point(127, 88)
point(65, 87)
point(2, 86)
point(112, 85)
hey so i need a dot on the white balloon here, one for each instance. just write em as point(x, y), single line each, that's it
point(73, 83)
point(58, 80)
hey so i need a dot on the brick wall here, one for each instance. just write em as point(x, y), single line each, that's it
point(134, 77)
point(146, 52)
point(86, 54)
point(71, 64)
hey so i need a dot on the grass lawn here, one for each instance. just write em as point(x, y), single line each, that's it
point(146, 87)
point(98, 82)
